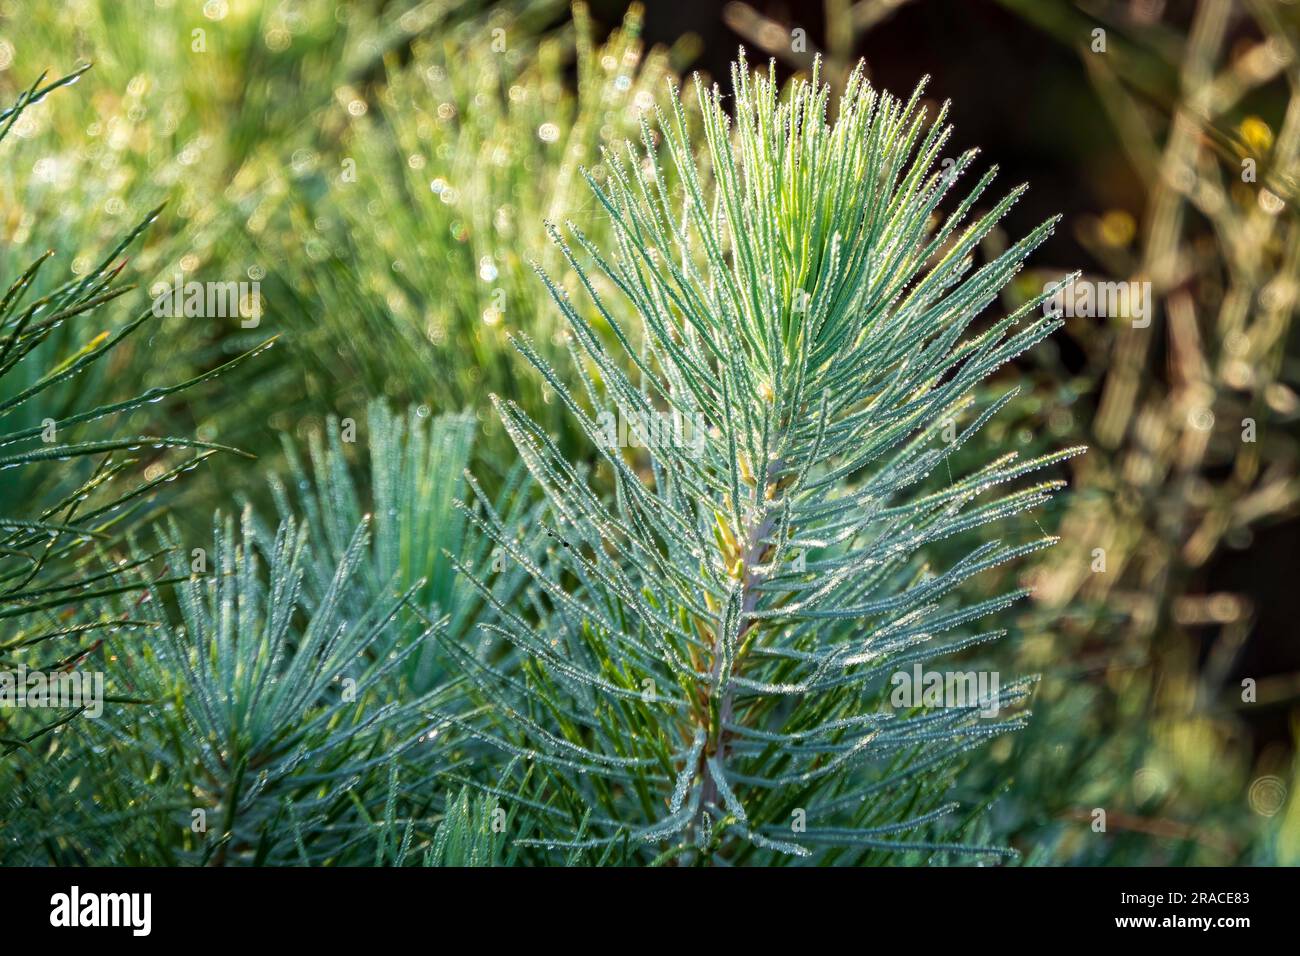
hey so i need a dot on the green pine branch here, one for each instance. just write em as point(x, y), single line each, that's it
point(707, 650)
point(70, 469)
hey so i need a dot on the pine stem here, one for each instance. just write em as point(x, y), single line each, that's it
point(753, 551)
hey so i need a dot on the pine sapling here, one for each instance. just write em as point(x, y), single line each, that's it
point(703, 664)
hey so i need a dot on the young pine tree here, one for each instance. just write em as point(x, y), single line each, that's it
point(706, 657)
point(71, 486)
